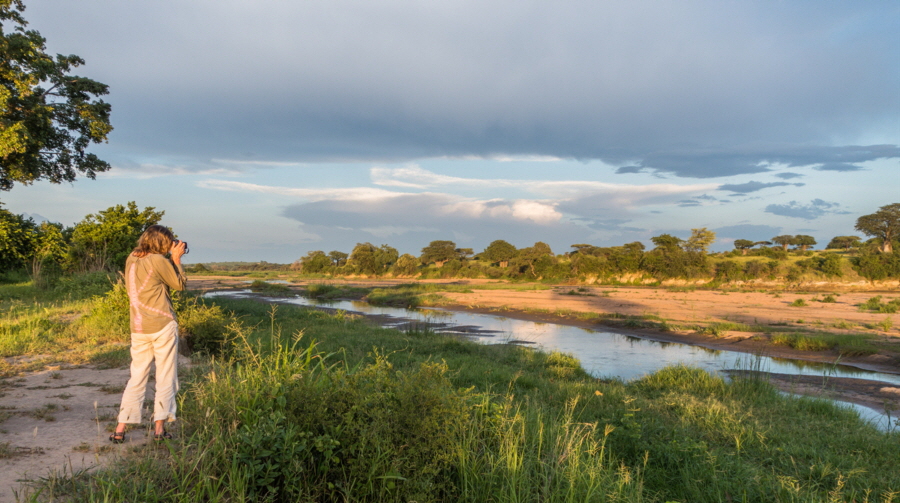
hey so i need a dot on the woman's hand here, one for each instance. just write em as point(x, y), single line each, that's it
point(177, 251)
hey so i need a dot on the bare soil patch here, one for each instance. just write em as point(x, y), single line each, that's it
point(58, 421)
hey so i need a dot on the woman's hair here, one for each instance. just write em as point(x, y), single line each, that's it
point(156, 239)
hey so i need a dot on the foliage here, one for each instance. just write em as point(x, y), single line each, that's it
point(883, 224)
point(876, 305)
point(803, 241)
point(877, 266)
point(271, 289)
point(406, 265)
point(438, 252)
point(785, 241)
point(315, 262)
point(368, 259)
point(48, 117)
point(499, 252)
point(700, 240)
point(843, 243)
point(743, 245)
point(102, 241)
point(16, 240)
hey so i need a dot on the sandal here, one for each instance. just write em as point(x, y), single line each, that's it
point(117, 437)
point(165, 435)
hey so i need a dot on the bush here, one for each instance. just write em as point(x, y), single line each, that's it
point(876, 305)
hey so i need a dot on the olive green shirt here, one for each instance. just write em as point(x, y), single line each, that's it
point(148, 280)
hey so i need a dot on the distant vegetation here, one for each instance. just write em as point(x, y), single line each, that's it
point(784, 258)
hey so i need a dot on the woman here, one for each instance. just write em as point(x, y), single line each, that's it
point(154, 331)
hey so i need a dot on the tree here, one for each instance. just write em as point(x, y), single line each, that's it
point(16, 240)
point(338, 258)
point(884, 224)
point(499, 252)
point(803, 241)
point(666, 242)
point(50, 248)
point(366, 258)
point(700, 240)
point(744, 245)
point(535, 259)
point(47, 116)
point(784, 240)
point(439, 252)
point(843, 243)
point(315, 262)
point(406, 265)
point(103, 241)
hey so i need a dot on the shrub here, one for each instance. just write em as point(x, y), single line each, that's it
point(876, 305)
point(798, 303)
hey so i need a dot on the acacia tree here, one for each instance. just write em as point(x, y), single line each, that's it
point(47, 116)
point(843, 242)
point(784, 240)
point(744, 245)
point(883, 224)
point(803, 241)
point(499, 252)
point(338, 258)
point(700, 240)
point(439, 252)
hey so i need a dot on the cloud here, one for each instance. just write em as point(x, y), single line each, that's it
point(573, 193)
point(788, 175)
point(815, 209)
point(745, 188)
point(396, 81)
point(838, 166)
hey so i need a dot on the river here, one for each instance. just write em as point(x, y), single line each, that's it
point(602, 353)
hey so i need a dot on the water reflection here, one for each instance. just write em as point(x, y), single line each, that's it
point(603, 354)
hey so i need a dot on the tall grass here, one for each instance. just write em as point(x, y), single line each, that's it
point(307, 406)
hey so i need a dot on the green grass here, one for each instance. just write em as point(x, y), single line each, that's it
point(271, 289)
point(847, 344)
point(308, 406)
point(324, 291)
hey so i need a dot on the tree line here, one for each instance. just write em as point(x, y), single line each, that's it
point(671, 257)
point(99, 242)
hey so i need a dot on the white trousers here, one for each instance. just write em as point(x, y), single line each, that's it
point(161, 346)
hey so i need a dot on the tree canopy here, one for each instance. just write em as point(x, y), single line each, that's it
point(700, 240)
point(439, 252)
point(883, 224)
point(804, 241)
point(48, 117)
point(784, 240)
point(102, 241)
point(499, 251)
point(843, 242)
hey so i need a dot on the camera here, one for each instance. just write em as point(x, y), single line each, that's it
point(186, 249)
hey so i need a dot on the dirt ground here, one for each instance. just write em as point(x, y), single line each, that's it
point(58, 420)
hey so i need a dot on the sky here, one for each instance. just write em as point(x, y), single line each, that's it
point(268, 129)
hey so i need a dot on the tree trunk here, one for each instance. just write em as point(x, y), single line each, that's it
point(744, 251)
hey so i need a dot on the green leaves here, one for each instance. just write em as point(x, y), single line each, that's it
point(47, 116)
